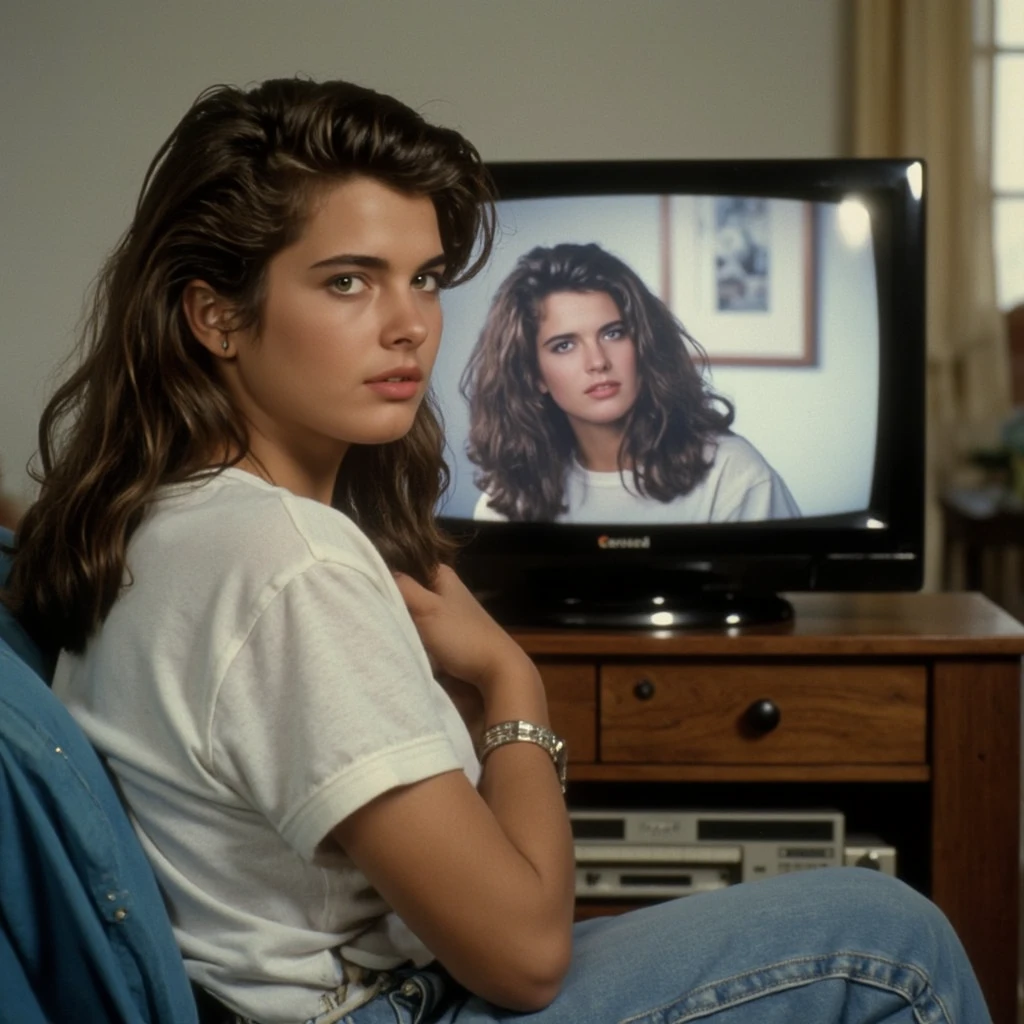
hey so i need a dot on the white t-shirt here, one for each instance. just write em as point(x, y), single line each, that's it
point(259, 681)
point(740, 486)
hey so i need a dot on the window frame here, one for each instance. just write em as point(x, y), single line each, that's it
point(993, 53)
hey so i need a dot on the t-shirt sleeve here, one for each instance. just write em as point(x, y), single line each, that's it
point(783, 505)
point(328, 703)
point(766, 498)
point(745, 487)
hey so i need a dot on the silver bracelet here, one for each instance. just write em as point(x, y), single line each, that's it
point(526, 732)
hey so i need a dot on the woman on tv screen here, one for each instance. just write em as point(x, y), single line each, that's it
point(587, 405)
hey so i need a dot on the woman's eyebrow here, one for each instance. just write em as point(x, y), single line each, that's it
point(569, 335)
point(434, 263)
point(566, 336)
point(354, 259)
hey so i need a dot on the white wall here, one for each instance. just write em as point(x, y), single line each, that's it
point(91, 89)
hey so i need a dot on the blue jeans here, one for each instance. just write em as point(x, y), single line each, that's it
point(842, 945)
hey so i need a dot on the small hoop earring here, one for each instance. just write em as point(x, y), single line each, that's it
point(224, 344)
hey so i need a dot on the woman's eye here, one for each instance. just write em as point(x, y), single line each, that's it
point(346, 284)
point(562, 346)
point(429, 282)
point(615, 333)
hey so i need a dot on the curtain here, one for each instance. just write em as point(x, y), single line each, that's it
point(922, 88)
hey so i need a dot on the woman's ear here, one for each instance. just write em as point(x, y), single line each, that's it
point(542, 387)
point(209, 317)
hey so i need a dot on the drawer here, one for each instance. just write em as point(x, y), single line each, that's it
point(700, 713)
point(572, 704)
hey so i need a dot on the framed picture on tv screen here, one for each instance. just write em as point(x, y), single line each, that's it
point(739, 272)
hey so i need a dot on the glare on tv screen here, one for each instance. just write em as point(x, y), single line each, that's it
point(664, 359)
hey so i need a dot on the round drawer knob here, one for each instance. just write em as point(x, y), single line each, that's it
point(762, 717)
point(644, 690)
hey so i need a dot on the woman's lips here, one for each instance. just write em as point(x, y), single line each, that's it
point(399, 383)
point(606, 389)
point(396, 390)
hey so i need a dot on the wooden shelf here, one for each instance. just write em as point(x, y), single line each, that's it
point(824, 625)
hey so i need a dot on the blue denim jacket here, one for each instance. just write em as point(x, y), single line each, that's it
point(84, 934)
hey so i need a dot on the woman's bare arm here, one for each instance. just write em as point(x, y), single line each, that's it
point(484, 878)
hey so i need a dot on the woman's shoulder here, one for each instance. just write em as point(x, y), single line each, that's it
point(735, 452)
point(748, 485)
point(238, 518)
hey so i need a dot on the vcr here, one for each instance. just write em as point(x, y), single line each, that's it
point(653, 855)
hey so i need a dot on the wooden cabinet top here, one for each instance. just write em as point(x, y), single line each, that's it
point(846, 624)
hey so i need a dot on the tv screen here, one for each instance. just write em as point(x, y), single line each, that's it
point(679, 387)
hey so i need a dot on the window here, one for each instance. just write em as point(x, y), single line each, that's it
point(1008, 150)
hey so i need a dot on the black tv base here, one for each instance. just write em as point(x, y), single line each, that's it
point(646, 600)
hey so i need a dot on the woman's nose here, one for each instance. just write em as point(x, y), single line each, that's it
point(407, 323)
point(597, 358)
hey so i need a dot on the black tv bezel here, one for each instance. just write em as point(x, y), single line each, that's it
point(826, 553)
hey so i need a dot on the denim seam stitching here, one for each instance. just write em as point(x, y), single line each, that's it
point(851, 973)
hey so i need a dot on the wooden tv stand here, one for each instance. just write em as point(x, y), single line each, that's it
point(901, 710)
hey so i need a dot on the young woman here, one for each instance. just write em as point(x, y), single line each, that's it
point(233, 547)
point(586, 406)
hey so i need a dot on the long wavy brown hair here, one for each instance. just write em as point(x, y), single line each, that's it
point(232, 186)
point(519, 438)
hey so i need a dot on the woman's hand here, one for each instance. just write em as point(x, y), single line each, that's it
point(461, 639)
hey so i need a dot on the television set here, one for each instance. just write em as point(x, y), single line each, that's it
point(737, 415)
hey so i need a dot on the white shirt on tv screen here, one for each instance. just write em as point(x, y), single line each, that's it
point(740, 487)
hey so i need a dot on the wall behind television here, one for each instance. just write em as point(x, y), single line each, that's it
point(92, 89)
